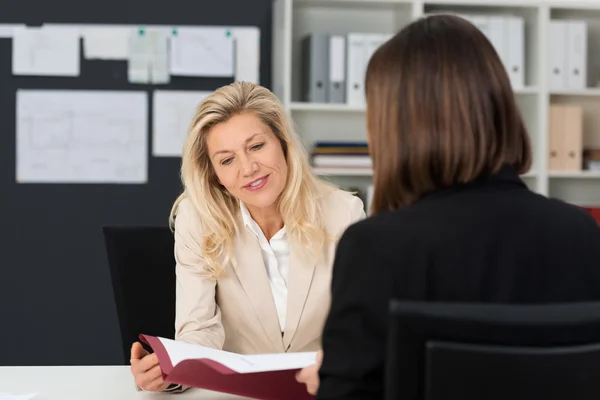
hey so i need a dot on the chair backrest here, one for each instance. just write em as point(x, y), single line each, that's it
point(142, 268)
point(490, 352)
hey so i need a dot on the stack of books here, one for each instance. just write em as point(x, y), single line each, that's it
point(341, 155)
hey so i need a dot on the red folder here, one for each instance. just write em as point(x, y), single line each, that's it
point(204, 373)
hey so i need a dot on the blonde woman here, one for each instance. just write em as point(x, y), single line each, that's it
point(255, 233)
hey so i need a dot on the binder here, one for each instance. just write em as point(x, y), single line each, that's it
point(497, 36)
point(577, 54)
point(315, 69)
point(265, 376)
point(556, 133)
point(355, 67)
point(481, 22)
point(336, 92)
point(515, 34)
point(573, 139)
point(565, 138)
point(558, 55)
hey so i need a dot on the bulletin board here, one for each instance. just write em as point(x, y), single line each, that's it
point(55, 291)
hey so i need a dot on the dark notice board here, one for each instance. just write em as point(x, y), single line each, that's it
point(56, 304)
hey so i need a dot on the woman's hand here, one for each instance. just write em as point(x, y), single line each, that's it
point(146, 370)
point(310, 375)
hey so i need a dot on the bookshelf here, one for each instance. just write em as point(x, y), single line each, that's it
point(293, 19)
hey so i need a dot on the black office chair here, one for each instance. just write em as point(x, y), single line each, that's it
point(142, 268)
point(491, 352)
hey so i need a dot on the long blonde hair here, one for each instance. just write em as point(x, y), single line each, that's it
point(298, 204)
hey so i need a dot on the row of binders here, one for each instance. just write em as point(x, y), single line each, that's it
point(566, 147)
point(568, 47)
point(507, 35)
point(345, 154)
point(333, 66)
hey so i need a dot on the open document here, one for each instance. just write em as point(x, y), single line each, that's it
point(260, 376)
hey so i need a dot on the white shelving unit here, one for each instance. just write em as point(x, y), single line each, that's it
point(293, 19)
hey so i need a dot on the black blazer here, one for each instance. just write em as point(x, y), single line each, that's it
point(489, 241)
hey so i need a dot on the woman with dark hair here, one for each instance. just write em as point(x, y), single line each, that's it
point(452, 220)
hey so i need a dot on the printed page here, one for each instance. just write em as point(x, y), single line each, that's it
point(202, 51)
point(247, 53)
point(45, 51)
point(66, 136)
point(106, 43)
point(172, 117)
point(179, 351)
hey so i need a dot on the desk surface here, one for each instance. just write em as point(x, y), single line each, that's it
point(89, 383)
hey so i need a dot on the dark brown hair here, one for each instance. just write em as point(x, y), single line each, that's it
point(440, 112)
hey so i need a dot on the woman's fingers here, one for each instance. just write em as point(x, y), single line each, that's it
point(150, 379)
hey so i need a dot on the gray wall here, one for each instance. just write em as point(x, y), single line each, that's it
point(56, 304)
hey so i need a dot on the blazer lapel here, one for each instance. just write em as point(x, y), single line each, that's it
point(252, 274)
point(301, 272)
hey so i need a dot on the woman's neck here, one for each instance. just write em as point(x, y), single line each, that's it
point(268, 219)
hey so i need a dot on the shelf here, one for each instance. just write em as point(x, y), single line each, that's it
point(589, 92)
point(351, 2)
point(339, 107)
point(328, 171)
point(483, 3)
point(574, 174)
point(527, 90)
point(336, 107)
point(584, 5)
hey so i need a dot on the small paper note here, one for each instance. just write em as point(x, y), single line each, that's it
point(45, 51)
point(203, 52)
point(172, 116)
point(7, 30)
point(140, 54)
point(106, 43)
point(247, 53)
point(6, 396)
point(159, 60)
point(66, 136)
point(149, 56)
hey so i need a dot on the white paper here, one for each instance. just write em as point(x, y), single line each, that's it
point(149, 56)
point(202, 51)
point(159, 60)
point(45, 51)
point(81, 136)
point(172, 115)
point(247, 53)
point(140, 55)
point(7, 30)
point(7, 396)
point(180, 351)
point(103, 43)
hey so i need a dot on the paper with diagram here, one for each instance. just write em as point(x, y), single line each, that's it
point(45, 51)
point(172, 116)
point(66, 136)
point(202, 52)
point(247, 53)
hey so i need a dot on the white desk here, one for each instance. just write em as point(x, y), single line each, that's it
point(88, 383)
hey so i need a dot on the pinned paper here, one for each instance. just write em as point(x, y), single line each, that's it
point(202, 52)
point(66, 136)
point(7, 30)
point(149, 57)
point(7, 396)
point(247, 53)
point(172, 116)
point(45, 51)
point(106, 43)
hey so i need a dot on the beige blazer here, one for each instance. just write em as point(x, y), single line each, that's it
point(236, 312)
